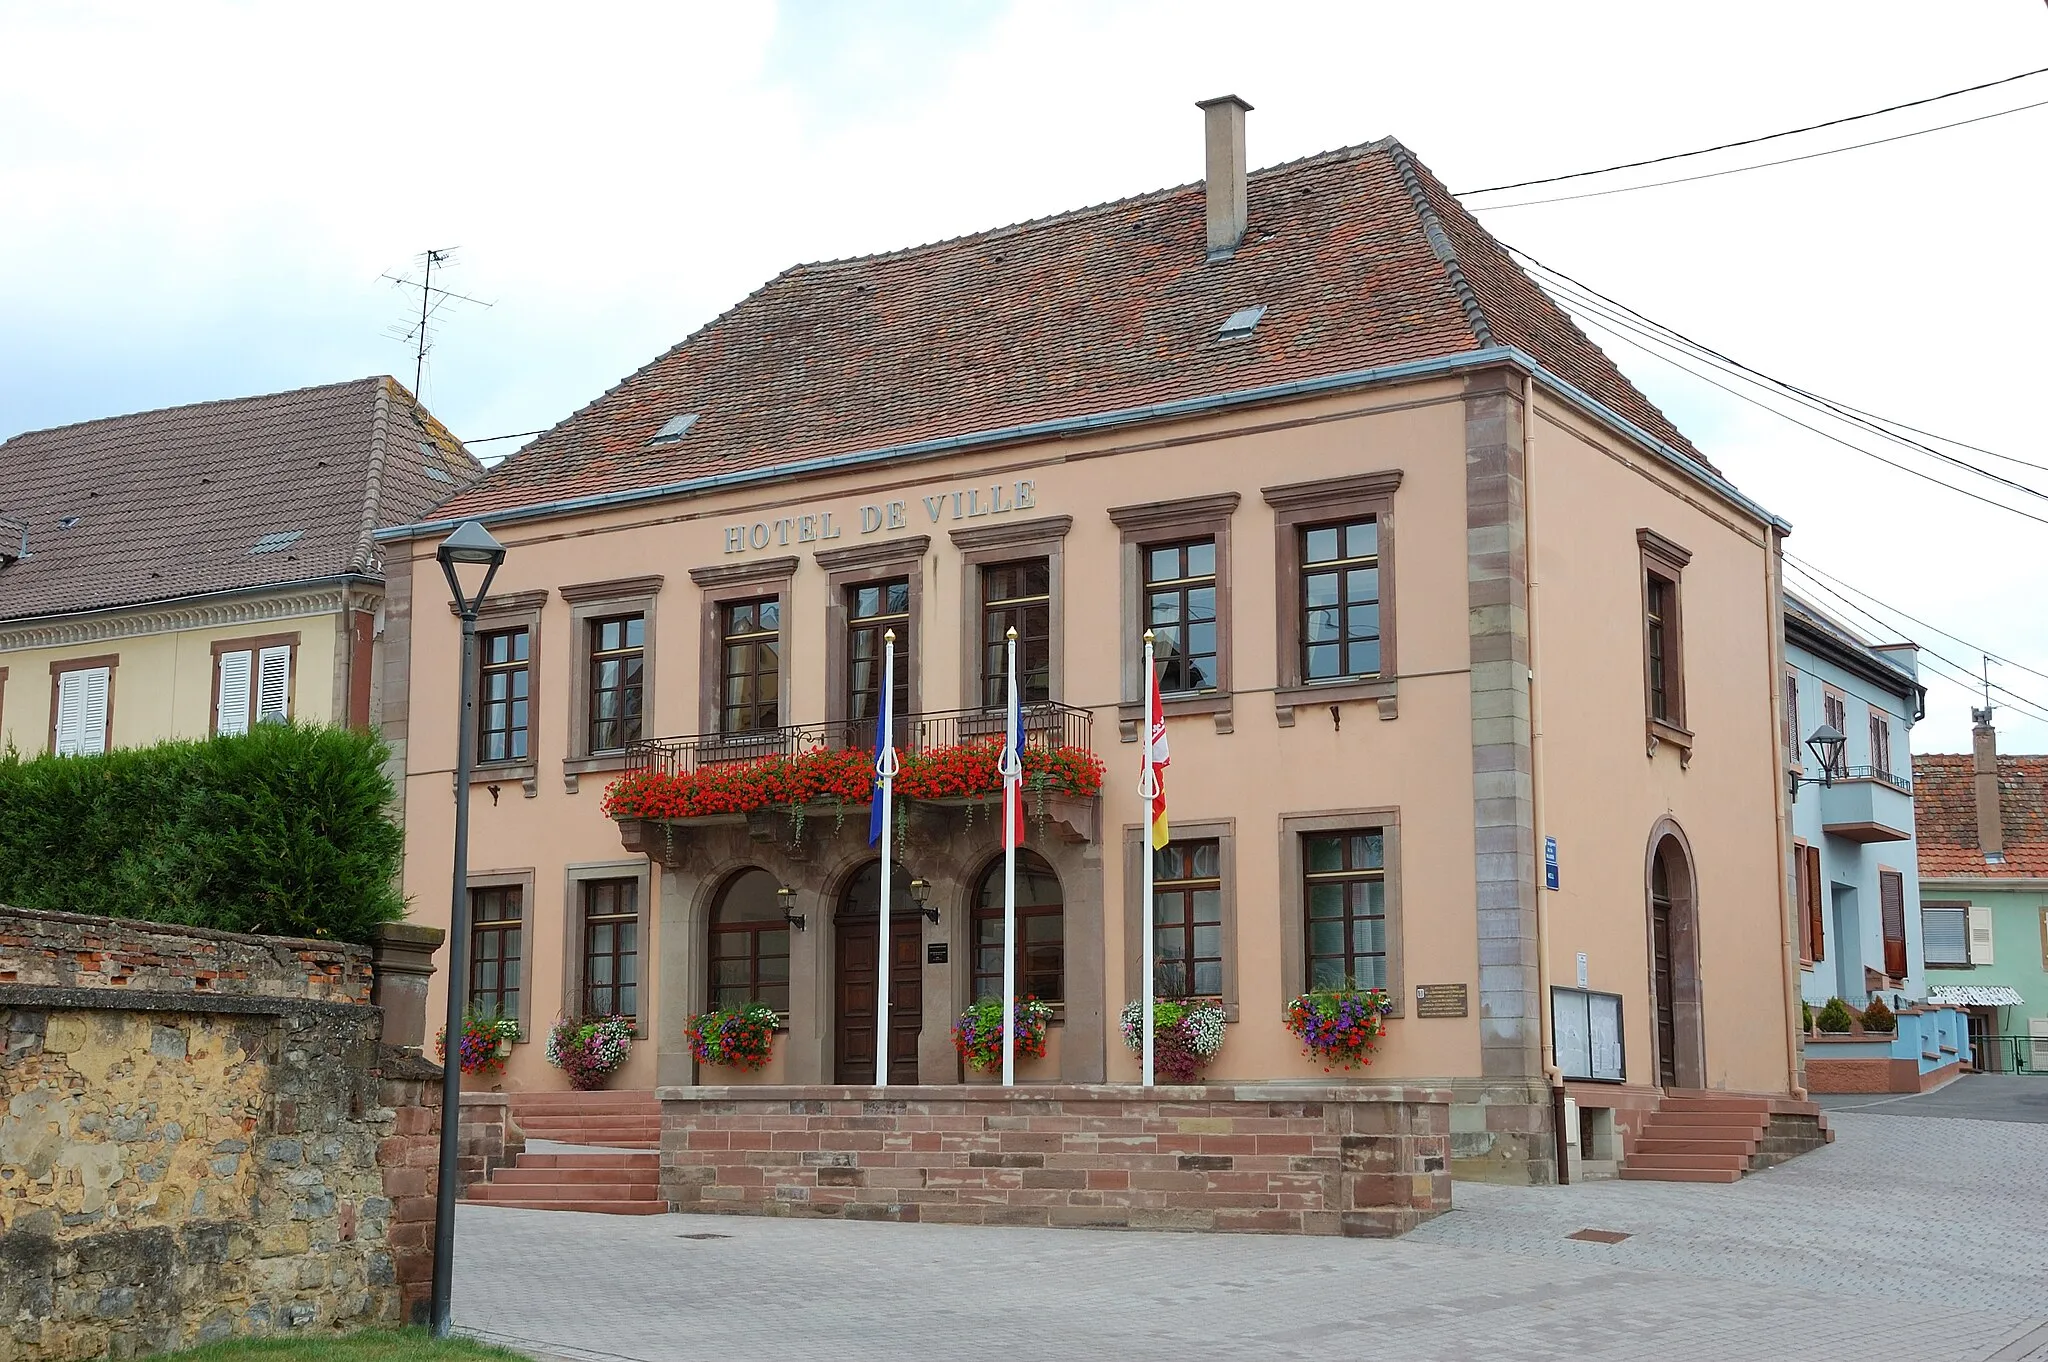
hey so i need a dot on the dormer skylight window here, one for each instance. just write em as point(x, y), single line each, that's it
point(1241, 323)
point(276, 543)
point(68, 522)
point(677, 427)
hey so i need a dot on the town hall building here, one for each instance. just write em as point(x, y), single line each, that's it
point(1470, 660)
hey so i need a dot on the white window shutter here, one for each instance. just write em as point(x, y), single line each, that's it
point(92, 737)
point(1980, 936)
point(70, 712)
point(233, 703)
point(273, 684)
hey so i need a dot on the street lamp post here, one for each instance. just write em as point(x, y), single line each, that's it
point(465, 553)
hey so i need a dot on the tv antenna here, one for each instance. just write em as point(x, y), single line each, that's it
point(419, 334)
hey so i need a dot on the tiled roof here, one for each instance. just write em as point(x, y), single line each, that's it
point(1945, 816)
point(166, 504)
point(1360, 258)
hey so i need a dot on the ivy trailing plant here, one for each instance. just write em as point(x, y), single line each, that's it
point(734, 1037)
point(844, 776)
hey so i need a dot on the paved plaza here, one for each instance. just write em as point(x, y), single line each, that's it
point(1907, 1238)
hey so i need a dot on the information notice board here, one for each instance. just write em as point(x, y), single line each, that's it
point(1585, 1030)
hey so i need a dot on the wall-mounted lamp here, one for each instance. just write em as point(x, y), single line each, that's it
point(786, 897)
point(920, 890)
point(1826, 744)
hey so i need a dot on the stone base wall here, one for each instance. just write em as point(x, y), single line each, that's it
point(1874, 1075)
point(487, 1140)
point(1503, 1132)
point(1283, 1159)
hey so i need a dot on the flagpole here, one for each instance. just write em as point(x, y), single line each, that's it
point(1148, 789)
point(1012, 768)
point(886, 767)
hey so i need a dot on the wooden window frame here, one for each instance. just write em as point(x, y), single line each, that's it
point(1294, 905)
point(1137, 843)
point(712, 930)
point(1840, 700)
point(586, 920)
point(488, 670)
point(573, 878)
point(58, 670)
point(514, 610)
point(1664, 558)
point(588, 602)
point(976, 915)
point(1331, 500)
point(523, 880)
point(1156, 524)
point(1804, 919)
point(993, 545)
point(1895, 943)
point(864, 565)
point(1946, 906)
point(729, 584)
point(1793, 743)
point(751, 639)
point(1880, 724)
point(254, 646)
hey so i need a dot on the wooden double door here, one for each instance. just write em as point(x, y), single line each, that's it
point(858, 928)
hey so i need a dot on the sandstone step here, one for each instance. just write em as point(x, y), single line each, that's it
point(593, 1161)
point(1740, 1119)
point(1735, 1163)
point(649, 1176)
point(1681, 1144)
point(1713, 1102)
point(597, 1207)
point(1635, 1174)
point(565, 1191)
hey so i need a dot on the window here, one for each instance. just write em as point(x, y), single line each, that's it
point(1799, 902)
point(1880, 742)
point(1041, 932)
point(1335, 599)
point(1016, 596)
point(616, 678)
point(1344, 891)
point(750, 681)
point(1180, 610)
point(496, 917)
point(505, 680)
point(1891, 903)
point(1662, 562)
point(1187, 920)
point(1834, 710)
point(1340, 601)
point(872, 610)
point(1792, 719)
point(611, 948)
point(82, 706)
point(252, 682)
point(1945, 934)
point(749, 944)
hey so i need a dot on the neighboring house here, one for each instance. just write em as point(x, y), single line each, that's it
point(1202, 409)
point(196, 570)
point(1983, 824)
point(1854, 868)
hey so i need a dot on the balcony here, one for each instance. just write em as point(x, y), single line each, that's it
point(1866, 804)
point(1045, 726)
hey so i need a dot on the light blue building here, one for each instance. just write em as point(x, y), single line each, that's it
point(1855, 863)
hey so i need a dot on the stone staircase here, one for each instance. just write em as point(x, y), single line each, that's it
point(617, 1120)
point(1719, 1137)
point(609, 1182)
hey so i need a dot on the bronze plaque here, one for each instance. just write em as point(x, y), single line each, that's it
point(1440, 1000)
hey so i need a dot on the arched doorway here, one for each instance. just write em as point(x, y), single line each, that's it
point(1041, 932)
point(1677, 1032)
point(858, 927)
point(748, 949)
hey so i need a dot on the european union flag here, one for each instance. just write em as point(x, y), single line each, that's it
point(882, 727)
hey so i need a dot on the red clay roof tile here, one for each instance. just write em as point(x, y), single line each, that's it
point(1945, 815)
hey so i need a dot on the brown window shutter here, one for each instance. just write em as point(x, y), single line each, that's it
point(1815, 925)
point(1799, 900)
point(1891, 897)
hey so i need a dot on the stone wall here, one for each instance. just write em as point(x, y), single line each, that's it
point(1271, 1158)
point(200, 1136)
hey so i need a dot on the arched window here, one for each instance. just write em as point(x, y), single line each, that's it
point(1041, 932)
point(749, 944)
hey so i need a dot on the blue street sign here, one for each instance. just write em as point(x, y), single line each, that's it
point(1550, 863)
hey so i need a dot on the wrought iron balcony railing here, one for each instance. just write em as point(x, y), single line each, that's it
point(1046, 725)
point(1902, 784)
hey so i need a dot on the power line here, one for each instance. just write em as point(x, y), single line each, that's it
point(1811, 571)
point(1753, 141)
point(1674, 340)
point(515, 435)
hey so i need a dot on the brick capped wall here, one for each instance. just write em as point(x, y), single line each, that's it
point(1364, 1161)
point(70, 950)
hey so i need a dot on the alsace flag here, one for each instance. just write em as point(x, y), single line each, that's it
point(1014, 741)
point(1157, 760)
point(882, 726)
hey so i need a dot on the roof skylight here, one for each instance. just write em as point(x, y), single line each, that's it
point(1241, 322)
point(276, 543)
point(677, 427)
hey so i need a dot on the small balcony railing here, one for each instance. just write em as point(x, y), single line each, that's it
point(1902, 784)
point(1046, 725)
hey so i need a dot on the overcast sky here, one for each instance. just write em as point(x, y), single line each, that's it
point(197, 200)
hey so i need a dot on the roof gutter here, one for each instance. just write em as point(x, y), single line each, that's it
point(1067, 427)
point(342, 579)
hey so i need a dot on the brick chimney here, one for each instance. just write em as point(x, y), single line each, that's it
point(1984, 768)
point(1223, 143)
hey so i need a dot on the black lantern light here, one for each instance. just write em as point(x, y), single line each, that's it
point(920, 891)
point(785, 898)
point(1826, 744)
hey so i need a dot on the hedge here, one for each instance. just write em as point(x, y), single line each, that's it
point(285, 831)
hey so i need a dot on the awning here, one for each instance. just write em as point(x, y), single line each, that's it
point(1974, 995)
